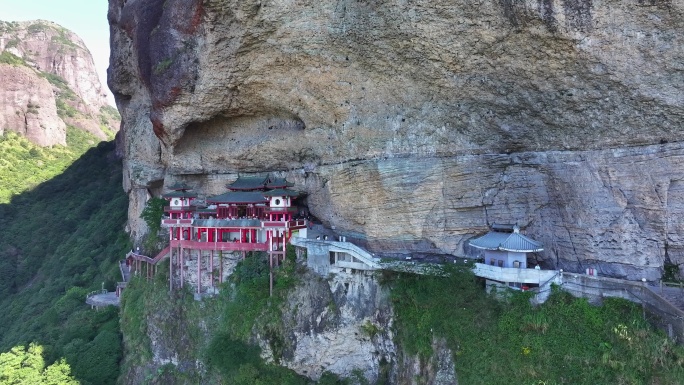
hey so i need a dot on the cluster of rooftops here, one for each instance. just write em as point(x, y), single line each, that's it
point(248, 197)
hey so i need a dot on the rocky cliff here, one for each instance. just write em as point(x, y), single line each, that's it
point(343, 323)
point(412, 126)
point(48, 82)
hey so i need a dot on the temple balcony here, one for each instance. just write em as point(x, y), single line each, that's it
point(280, 209)
point(513, 274)
point(167, 222)
point(175, 209)
point(234, 223)
point(219, 246)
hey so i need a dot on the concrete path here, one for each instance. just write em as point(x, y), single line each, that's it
point(106, 299)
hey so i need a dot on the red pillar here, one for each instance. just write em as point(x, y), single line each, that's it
point(220, 266)
point(211, 268)
point(181, 267)
point(171, 268)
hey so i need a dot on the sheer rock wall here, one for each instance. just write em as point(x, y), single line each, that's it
point(414, 125)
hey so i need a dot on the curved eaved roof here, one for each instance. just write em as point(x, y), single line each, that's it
point(239, 197)
point(248, 183)
point(179, 194)
point(281, 192)
point(514, 241)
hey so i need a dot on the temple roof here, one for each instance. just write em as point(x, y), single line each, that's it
point(249, 183)
point(179, 186)
point(238, 197)
point(281, 192)
point(276, 183)
point(179, 194)
point(516, 242)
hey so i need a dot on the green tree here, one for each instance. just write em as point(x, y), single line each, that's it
point(22, 366)
point(152, 213)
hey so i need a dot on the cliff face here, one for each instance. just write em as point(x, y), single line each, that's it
point(414, 125)
point(343, 324)
point(48, 82)
point(32, 111)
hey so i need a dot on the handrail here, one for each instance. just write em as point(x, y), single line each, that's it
point(96, 292)
point(348, 247)
point(162, 254)
point(361, 254)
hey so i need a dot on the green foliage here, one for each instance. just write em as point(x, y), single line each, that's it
point(242, 308)
point(671, 273)
point(152, 213)
point(108, 117)
point(21, 366)
point(12, 43)
point(63, 38)
point(110, 112)
point(228, 354)
point(23, 165)
point(8, 58)
point(65, 98)
point(37, 27)
point(370, 329)
point(59, 241)
point(55, 80)
point(162, 66)
point(564, 341)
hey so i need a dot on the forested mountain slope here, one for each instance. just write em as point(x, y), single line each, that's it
point(59, 241)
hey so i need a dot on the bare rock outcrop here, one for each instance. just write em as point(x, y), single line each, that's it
point(28, 106)
point(342, 325)
point(62, 62)
point(414, 125)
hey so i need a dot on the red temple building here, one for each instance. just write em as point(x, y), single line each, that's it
point(256, 214)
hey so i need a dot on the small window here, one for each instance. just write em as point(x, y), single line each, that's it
point(500, 262)
point(277, 202)
point(492, 262)
point(516, 264)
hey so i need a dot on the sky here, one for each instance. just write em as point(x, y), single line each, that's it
point(87, 18)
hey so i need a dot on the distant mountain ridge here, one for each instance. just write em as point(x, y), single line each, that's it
point(48, 81)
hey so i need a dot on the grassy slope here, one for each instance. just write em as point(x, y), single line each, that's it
point(564, 341)
point(59, 241)
point(24, 165)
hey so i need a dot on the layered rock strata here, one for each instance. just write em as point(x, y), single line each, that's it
point(414, 125)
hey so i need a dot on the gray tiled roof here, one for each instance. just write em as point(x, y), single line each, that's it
point(243, 197)
point(281, 192)
point(279, 183)
point(249, 183)
point(515, 241)
point(179, 194)
point(179, 186)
